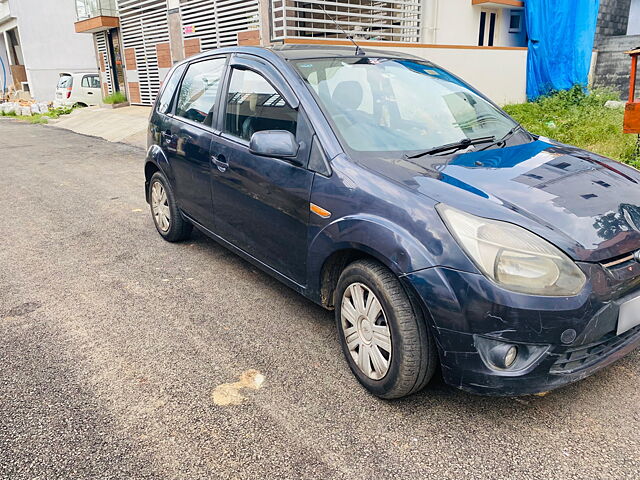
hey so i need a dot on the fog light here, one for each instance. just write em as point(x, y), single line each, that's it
point(511, 355)
point(508, 358)
point(503, 355)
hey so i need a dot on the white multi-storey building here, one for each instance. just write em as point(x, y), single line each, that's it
point(36, 44)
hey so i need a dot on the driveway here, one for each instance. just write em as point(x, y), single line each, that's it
point(113, 341)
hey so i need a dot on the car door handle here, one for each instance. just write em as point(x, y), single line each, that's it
point(167, 136)
point(90, 93)
point(220, 162)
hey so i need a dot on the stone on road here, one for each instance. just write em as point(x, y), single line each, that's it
point(113, 341)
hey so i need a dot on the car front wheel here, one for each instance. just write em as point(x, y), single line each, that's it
point(165, 212)
point(384, 337)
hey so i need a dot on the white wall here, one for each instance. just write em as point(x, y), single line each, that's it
point(506, 39)
point(457, 22)
point(4, 10)
point(634, 18)
point(50, 44)
point(499, 74)
point(5, 60)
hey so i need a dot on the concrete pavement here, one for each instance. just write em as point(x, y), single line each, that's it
point(113, 342)
point(126, 124)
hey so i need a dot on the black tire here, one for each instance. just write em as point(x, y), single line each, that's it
point(413, 358)
point(179, 228)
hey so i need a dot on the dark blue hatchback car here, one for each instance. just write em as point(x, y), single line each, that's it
point(382, 186)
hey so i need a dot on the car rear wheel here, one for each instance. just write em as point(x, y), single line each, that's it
point(384, 336)
point(164, 210)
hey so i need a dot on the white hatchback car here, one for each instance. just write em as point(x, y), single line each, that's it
point(82, 89)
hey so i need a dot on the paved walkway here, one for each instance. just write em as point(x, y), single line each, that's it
point(126, 124)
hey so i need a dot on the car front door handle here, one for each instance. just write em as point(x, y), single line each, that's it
point(220, 162)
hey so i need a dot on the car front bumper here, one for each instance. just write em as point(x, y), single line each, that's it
point(575, 336)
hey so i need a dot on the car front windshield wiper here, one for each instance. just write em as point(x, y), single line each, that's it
point(459, 145)
point(502, 141)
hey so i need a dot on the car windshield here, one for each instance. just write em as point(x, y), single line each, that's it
point(385, 105)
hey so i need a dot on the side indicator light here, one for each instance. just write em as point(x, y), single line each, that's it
point(321, 212)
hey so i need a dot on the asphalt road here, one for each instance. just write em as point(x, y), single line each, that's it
point(112, 342)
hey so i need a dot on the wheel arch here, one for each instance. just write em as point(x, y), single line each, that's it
point(354, 238)
point(156, 161)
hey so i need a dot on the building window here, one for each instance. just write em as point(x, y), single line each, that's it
point(488, 25)
point(515, 23)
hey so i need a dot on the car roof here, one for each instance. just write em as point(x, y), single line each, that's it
point(299, 52)
point(71, 74)
point(289, 52)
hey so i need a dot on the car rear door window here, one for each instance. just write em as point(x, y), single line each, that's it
point(164, 104)
point(90, 81)
point(199, 90)
point(254, 105)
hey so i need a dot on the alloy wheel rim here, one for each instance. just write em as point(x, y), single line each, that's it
point(160, 206)
point(366, 331)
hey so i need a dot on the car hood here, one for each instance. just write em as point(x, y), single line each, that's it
point(586, 204)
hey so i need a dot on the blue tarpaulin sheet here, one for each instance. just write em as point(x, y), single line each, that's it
point(561, 34)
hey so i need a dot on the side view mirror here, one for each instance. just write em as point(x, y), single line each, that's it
point(274, 143)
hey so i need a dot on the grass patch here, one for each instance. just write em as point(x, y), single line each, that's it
point(116, 97)
point(581, 119)
point(38, 118)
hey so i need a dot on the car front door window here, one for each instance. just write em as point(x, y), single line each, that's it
point(253, 105)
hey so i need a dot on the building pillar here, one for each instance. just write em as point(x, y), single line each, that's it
point(429, 12)
point(5, 34)
point(265, 23)
point(176, 38)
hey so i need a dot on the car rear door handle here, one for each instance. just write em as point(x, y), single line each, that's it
point(220, 162)
point(167, 136)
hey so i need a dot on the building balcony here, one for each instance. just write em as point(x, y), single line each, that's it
point(96, 15)
point(86, 9)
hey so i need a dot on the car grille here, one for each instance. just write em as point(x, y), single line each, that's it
point(584, 356)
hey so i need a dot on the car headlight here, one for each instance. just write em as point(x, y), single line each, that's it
point(513, 257)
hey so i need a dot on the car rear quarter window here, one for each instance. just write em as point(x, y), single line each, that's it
point(199, 90)
point(254, 105)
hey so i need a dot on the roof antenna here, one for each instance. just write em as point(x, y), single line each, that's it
point(359, 51)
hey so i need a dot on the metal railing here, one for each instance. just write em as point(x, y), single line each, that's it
point(96, 8)
point(394, 20)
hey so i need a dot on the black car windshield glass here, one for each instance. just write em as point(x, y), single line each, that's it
point(385, 105)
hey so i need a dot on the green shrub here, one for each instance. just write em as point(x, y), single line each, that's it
point(579, 118)
point(116, 97)
point(59, 111)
